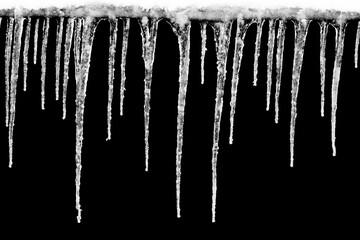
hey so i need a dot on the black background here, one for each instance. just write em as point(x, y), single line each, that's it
point(256, 186)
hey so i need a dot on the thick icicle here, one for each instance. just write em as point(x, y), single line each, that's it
point(356, 58)
point(270, 54)
point(182, 31)
point(111, 70)
point(279, 64)
point(260, 23)
point(36, 36)
point(222, 31)
point(26, 51)
point(238, 53)
point(125, 39)
point(148, 34)
point(8, 47)
point(323, 34)
point(340, 28)
point(203, 49)
point(68, 43)
point(59, 36)
point(14, 77)
point(46, 25)
point(301, 29)
point(86, 48)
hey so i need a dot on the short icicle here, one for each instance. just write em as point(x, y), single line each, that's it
point(36, 37)
point(8, 48)
point(357, 41)
point(111, 70)
point(259, 23)
point(67, 49)
point(203, 49)
point(90, 25)
point(222, 31)
point(78, 36)
point(238, 54)
point(18, 29)
point(182, 31)
point(279, 64)
point(340, 27)
point(148, 35)
point(46, 25)
point(301, 30)
point(26, 51)
point(125, 39)
point(323, 35)
point(59, 37)
point(270, 55)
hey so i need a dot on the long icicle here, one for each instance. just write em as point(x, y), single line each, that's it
point(125, 39)
point(8, 47)
point(36, 37)
point(68, 43)
point(203, 49)
point(18, 28)
point(26, 51)
point(259, 23)
point(90, 25)
point(59, 37)
point(182, 31)
point(279, 64)
point(222, 31)
point(111, 70)
point(238, 54)
point(270, 55)
point(301, 30)
point(148, 35)
point(340, 28)
point(323, 34)
point(46, 26)
point(357, 41)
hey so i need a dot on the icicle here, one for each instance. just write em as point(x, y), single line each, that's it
point(68, 41)
point(26, 50)
point(203, 49)
point(46, 25)
point(222, 32)
point(78, 36)
point(36, 36)
point(238, 53)
point(340, 27)
point(270, 54)
point(148, 34)
point(112, 50)
point(59, 36)
point(260, 23)
point(125, 39)
point(356, 58)
point(301, 29)
point(323, 34)
point(14, 77)
point(0, 21)
point(279, 64)
point(182, 31)
point(87, 41)
point(8, 47)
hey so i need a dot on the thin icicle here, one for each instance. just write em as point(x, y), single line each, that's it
point(238, 53)
point(260, 23)
point(36, 36)
point(222, 31)
point(86, 48)
point(14, 77)
point(356, 58)
point(323, 34)
point(148, 34)
point(125, 39)
point(111, 70)
point(279, 64)
point(26, 51)
point(270, 55)
point(8, 48)
point(301, 30)
point(203, 49)
point(182, 31)
point(46, 25)
point(68, 43)
point(59, 36)
point(340, 28)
